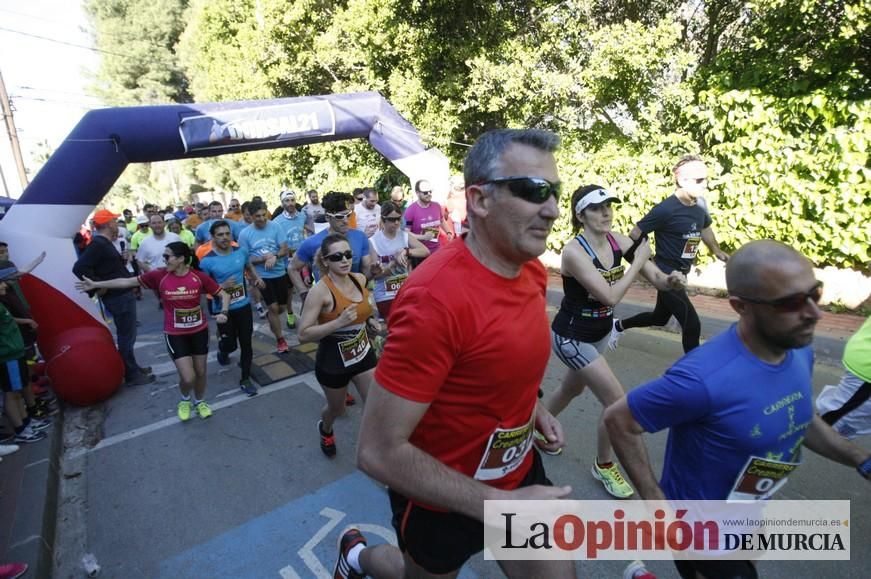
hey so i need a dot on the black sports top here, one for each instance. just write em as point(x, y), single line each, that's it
point(581, 316)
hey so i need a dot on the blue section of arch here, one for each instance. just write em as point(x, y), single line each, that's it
point(105, 141)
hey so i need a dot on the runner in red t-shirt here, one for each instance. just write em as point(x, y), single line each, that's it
point(187, 333)
point(449, 420)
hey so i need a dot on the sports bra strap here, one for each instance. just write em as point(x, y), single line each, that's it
point(586, 245)
point(614, 245)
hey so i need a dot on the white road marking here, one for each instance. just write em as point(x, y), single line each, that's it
point(307, 379)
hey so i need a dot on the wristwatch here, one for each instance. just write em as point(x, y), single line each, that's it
point(865, 468)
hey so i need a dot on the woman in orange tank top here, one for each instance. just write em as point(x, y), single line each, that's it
point(336, 313)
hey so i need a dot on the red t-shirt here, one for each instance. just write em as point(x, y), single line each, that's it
point(180, 295)
point(474, 345)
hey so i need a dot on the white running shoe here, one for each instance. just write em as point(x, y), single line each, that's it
point(615, 335)
point(8, 449)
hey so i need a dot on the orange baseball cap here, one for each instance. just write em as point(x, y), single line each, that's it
point(104, 216)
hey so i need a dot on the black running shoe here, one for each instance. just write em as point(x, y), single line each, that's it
point(349, 540)
point(328, 441)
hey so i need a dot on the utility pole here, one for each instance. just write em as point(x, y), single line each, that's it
point(13, 134)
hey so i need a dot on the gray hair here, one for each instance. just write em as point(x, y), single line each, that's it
point(484, 158)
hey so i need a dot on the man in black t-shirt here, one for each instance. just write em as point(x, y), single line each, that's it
point(679, 225)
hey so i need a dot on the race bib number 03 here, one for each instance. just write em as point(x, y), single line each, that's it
point(355, 349)
point(691, 248)
point(185, 319)
point(760, 479)
point(237, 293)
point(506, 449)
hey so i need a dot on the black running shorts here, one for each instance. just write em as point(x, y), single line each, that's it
point(442, 542)
point(275, 290)
point(184, 345)
point(714, 569)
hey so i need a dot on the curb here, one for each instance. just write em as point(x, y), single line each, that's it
point(35, 524)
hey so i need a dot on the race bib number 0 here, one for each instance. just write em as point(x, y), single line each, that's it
point(393, 283)
point(237, 293)
point(185, 319)
point(355, 349)
point(691, 248)
point(760, 479)
point(506, 449)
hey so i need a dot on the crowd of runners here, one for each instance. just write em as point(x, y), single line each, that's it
point(459, 417)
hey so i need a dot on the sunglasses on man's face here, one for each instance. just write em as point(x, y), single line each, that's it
point(342, 216)
point(792, 302)
point(340, 255)
point(531, 189)
point(393, 219)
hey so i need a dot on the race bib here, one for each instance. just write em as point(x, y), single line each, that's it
point(185, 319)
point(237, 293)
point(691, 248)
point(355, 349)
point(760, 478)
point(393, 283)
point(506, 449)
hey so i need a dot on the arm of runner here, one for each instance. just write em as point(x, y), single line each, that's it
point(447, 227)
point(661, 281)
point(823, 440)
point(370, 265)
point(635, 233)
point(254, 276)
point(578, 264)
point(626, 437)
point(32, 265)
point(309, 330)
point(385, 453)
point(282, 250)
point(293, 271)
point(87, 284)
point(385, 271)
point(548, 425)
point(416, 248)
point(710, 240)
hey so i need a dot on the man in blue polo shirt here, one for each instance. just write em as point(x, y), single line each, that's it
point(739, 405)
point(266, 244)
point(227, 265)
point(337, 208)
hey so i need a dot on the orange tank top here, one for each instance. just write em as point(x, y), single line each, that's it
point(340, 302)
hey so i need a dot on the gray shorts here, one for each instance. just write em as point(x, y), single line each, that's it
point(574, 353)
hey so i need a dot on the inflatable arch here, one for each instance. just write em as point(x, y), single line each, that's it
point(89, 161)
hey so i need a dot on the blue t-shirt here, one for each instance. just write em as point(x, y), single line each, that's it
point(223, 267)
point(259, 242)
point(677, 230)
point(734, 419)
point(294, 228)
point(202, 233)
point(356, 239)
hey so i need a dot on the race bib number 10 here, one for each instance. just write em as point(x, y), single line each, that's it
point(237, 293)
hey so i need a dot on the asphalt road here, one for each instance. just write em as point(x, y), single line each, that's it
point(248, 493)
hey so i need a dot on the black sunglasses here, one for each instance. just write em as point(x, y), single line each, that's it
point(393, 219)
point(532, 189)
point(340, 255)
point(792, 302)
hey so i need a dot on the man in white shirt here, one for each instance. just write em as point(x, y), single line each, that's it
point(368, 212)
point(150, 252)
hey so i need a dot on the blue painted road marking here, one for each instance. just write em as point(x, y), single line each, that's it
point(296, 540)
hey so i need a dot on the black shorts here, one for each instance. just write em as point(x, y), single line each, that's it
point(715, 569)
point(14, 375)
point(184, 345)
point(330, 378)
point(442, 542)
point(275, 290)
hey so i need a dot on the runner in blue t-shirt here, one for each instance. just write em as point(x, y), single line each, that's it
point(292, 221)
point(740, 404)
point(216, 212)
point(265, 243)
point(227, 265)
point(679, 225)
point(337, 210)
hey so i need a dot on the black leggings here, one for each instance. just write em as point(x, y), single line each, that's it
point(239, 328)
point(671, 303)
